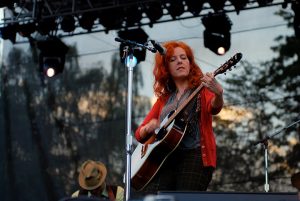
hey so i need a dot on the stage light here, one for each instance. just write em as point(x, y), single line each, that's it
point(26, 29)
point(194, 6)
point(6, 3)
point(217, 42)
point(52, 56)
point(68, 23)
point(153, 11)
point(138, 35)
point(52, 66)
point(296, 23)
point(264, 2)
point(175, 8)
point(86, 21)
point(9, 32)
point(217, 33)
point(133, 15)
point(111, 18)
point(217, 5)
point(46, 25)
point(239, 5)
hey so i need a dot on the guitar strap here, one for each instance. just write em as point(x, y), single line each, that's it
point(192, 109)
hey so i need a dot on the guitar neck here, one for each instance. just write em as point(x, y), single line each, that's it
point(222, 69)
point(182, 106)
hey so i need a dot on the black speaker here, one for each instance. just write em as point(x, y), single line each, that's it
point(231, 196)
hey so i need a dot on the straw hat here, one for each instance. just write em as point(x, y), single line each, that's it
point(92, 175)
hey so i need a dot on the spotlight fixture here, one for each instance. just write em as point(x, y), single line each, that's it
point(217, 5)
point(68, 23)
point(26, 29)
point(8, 32)
point(239, 5)
point(217, 33)
point(51, 66)
point(217, 42)
point(6, 3)
point(153, 11)
point(8, 29)
point(52, 56)
point(296, 23)
point(111, 18)
point(133, 15)
point(262, 3)
point(138, 35)
point(86, 21)
point(46, 25)
point(175, 8)
point(194, 7)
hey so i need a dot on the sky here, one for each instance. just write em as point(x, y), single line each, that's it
point(253, 32)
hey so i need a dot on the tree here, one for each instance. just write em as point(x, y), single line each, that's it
point(269, 96)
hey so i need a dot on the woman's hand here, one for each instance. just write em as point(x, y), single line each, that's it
point(149, 128)
point(210, 82)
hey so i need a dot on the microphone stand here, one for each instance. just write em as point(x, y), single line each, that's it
point(264, 141)
point(128, 52)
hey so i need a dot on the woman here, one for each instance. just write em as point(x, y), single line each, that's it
point(191, 165)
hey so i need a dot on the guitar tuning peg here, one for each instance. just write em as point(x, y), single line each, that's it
point(230, 69)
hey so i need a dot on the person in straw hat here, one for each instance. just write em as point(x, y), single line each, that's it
point(92, 182)
point(295, 180)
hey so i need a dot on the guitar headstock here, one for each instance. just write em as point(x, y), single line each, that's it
point(228, 64)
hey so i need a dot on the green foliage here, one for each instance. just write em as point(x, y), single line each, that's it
point(269, 95)
point(62, 121)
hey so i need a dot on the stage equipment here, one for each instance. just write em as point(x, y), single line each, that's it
point(47, 25)
point(9, 32)
point(194, 7)
point(239, 5)
point(217, 32)
point(153, 11)
point(140, 36)
point(86, 20)
point(175, 8)
point(296, 23)
point(26, 29)
point(264, 142)
point(128, 49)
point(133, 15)
point(110, 20)
point(217, 5)
point(230, 196)
point(52, 56)
point(68, 23)
point(262, 3)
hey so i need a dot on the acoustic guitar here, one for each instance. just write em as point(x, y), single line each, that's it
point(147, 158)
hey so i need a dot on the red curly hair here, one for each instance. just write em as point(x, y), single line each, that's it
point(164, 84)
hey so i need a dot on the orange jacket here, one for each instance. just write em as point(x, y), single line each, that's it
point(208, 142)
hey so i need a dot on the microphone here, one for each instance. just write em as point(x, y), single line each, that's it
point(158, 47)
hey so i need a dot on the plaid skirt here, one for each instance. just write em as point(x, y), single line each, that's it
point(183, 170)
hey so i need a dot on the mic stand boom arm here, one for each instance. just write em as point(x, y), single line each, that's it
point(135, 44)
point(265, 144)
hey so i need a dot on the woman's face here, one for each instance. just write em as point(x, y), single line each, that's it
point(179, 64)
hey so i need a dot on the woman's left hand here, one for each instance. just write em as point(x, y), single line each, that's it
point(210, 82)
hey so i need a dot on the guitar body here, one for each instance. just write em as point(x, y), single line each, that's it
point(148, 158)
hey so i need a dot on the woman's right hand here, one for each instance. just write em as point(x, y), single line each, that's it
point(149, 128)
